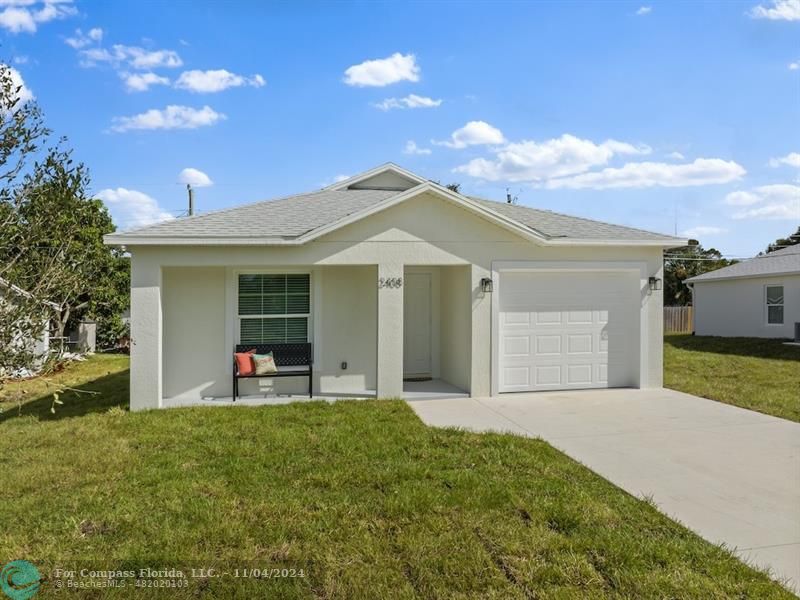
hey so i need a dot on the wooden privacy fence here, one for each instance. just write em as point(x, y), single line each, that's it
point(678, 319)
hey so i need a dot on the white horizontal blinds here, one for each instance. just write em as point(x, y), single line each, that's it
point(274, 308)
point(775, 304)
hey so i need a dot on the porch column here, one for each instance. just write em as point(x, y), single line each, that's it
point(481, 370)
point(146, 366)
point(390, 332)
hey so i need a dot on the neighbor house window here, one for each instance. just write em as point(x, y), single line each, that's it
point(274, 308)
point(775, 304)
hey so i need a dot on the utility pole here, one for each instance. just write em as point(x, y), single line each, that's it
point(191, 198)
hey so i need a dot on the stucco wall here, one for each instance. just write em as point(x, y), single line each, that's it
point(348, 329)
point(736, 307)
point(195, 362)
point(456, 326)
point(425, 230)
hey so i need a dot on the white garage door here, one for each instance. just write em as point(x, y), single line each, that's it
point(568, 330)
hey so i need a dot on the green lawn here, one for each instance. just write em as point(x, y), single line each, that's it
point(759, 374)
point(366, 499)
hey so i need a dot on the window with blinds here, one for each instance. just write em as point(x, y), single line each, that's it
point(274, 308)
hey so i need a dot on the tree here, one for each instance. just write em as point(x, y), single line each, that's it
point(50, 235)
point(63, 228)
point(682, 263)
point(790, 240)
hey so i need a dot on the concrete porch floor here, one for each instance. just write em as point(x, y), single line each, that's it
point(435, 389)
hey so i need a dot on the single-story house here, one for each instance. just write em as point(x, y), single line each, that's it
point(394, 278)
point(759, 297)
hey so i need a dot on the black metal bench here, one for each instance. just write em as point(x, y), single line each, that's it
point(292, 360)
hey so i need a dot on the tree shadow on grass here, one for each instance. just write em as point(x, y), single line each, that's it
point(739, 346)
point(113, 392)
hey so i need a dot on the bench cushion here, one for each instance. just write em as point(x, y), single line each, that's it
point(244, 362)
point(265, 364)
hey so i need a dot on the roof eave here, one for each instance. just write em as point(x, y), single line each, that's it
point(701, 279)
point(666, 244)
point(123, 240)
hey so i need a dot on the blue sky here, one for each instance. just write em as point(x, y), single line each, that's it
point(625, 112)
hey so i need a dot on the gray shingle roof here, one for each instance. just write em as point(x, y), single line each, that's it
point(281, 218)
point(780, 262)
point(293, 216)
point(557, 225)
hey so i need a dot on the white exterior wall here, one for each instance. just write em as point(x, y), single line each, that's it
point(425, 230)
point(195, 361)
point(737, 307)
point(455, 326)
point(347, 329)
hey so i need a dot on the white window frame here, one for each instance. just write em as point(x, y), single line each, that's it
point(277, 271)
point(767, 304)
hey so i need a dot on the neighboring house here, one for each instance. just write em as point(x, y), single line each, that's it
point(759, 297)
point(39, 346)
point(394, 277)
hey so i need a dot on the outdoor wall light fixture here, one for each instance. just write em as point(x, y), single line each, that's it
point(655, 284)
point(486, 285)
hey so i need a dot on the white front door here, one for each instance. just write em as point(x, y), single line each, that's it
point(417, 325)
point(571, 330)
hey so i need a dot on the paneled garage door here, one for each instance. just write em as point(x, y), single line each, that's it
point(568, 330)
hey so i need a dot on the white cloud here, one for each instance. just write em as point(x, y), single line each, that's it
point(776, 201)
point(792, 159)
point(793, 66)
point(26, 15)
point(410, 101)
point(742, 198)
point(194, 177)
point(81, 40)
point(21, 60)
point(133, 56)
point(172, 117)
point(412, 148)
point(130, 208)
point(557, 157)
point(336, 179)
point(383, 71)
point(703, 171)
point(473, 133)
point(781, 10)
point(141, 82)
point(24, 93)
point(644, 10)
point(676, 155)
point(215, 81)
point(703, 230)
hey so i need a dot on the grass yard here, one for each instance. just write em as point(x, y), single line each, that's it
point(360, 494)
point(759, 374)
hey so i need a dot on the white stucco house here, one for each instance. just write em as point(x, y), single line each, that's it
point(759, 297)
point(394, 278)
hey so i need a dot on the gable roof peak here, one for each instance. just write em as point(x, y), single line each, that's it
point(387, 176)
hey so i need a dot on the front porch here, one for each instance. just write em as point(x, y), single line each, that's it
point(435, 389)
point(376, 332)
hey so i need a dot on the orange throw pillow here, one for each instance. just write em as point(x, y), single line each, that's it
point(244, 362)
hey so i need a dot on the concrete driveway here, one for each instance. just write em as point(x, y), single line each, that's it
point(731, 475)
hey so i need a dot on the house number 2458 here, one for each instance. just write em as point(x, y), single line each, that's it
point(390, 282)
